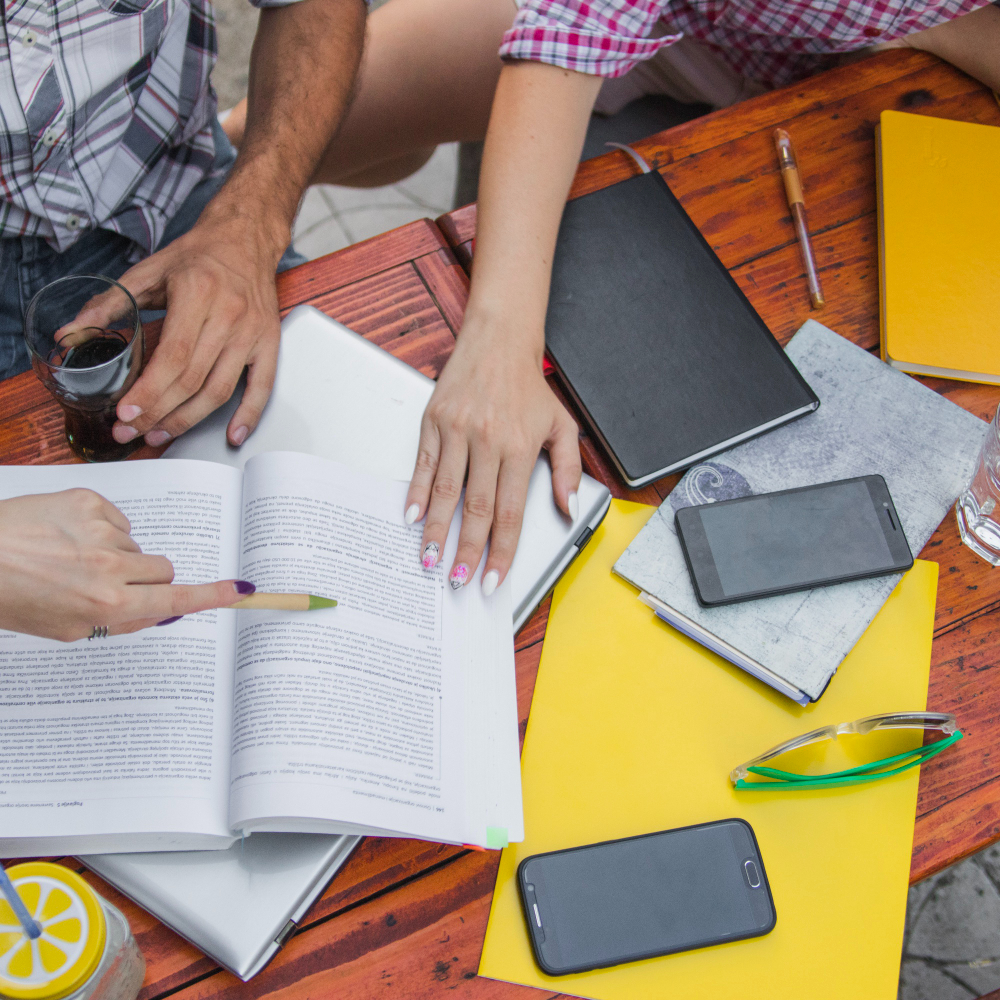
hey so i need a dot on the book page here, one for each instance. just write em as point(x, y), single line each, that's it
point(351, 718)
point(123, 743)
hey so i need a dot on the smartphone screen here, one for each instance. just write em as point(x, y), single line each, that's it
point(797, 539)
point(623, 900)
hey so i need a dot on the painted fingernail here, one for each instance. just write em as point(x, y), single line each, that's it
point(170, 621)
point(490, 582)
point(240, 435)
point(243, 587)
point(573, 502)
point(459, 576)
point(156, 438)
point(129, 413)
point(429, 557)
point(412, 513)
point(123, 434)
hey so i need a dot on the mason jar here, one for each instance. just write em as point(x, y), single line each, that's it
point(86, 950)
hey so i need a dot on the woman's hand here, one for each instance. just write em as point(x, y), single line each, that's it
point(67, 564)
point(490, 414)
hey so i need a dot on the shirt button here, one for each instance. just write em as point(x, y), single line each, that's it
point(29, 38)
point(74, 222)
point(50, 138)
point(872, 32)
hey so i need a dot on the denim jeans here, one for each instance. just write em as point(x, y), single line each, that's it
point(28, 263)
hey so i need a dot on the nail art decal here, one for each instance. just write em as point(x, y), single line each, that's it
point(459, 576)
point(429, 558)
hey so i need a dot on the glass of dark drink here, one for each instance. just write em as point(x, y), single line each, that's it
point(85, 340)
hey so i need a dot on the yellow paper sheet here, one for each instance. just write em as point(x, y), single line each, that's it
point(634, 728)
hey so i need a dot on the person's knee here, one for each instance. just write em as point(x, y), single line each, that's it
point(379, 174)
point(234, 123)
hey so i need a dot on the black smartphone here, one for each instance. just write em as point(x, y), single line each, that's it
point(776, 543)
point(604, 904)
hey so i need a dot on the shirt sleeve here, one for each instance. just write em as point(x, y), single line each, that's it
point(602, 37)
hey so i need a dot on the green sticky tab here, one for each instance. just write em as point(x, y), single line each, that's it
point(496, 837)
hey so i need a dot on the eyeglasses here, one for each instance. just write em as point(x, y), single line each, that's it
point(943, 722)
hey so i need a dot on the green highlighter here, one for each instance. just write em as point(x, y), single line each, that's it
point(285, 602)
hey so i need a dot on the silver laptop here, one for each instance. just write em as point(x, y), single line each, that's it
point(341, 397)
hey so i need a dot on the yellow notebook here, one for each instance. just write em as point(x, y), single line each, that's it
point(634, 728)
point(939, 234)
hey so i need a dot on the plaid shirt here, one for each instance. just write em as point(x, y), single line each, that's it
point(104, 109)
point(772, 41)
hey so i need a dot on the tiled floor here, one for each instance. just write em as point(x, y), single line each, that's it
point(952, 944)
point(332, 217)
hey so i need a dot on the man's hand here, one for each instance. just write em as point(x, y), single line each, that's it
point(490, 414)
point(68, 563)
point(217, 284)
point(217, 281)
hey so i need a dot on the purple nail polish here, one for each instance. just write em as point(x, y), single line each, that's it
point(459, 576)
point(170, 621)
point(244, 587)
point(430, 555)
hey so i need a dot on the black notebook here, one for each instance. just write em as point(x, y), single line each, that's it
point(664, 354)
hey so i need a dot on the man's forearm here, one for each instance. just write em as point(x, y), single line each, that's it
point(302, 69)
point(536, 132)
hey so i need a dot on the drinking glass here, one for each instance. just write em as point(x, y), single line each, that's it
point(85, 340)
point(978, 507)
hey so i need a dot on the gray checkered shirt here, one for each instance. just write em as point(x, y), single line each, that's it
point(105, 108)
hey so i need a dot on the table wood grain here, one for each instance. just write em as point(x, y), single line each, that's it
point(407, 917)
point(723, 169)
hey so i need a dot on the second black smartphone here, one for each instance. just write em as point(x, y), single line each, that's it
point(604, 904)
point(776, 543)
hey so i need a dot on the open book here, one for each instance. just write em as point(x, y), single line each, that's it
point(392, 714)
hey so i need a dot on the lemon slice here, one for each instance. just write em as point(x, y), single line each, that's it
point(73, 934)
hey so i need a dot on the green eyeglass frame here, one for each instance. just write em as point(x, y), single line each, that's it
point(789, 780)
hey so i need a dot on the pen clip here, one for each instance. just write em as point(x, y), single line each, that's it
point(641, 163)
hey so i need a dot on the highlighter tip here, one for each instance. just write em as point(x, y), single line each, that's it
point(320, 602)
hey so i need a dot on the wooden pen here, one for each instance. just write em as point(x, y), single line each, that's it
point(797, 204)
point(284, 602)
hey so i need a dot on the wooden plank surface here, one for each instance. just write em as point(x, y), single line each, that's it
point(422, 938)
point(407, 917)
point(405, 291)
point(724, 170)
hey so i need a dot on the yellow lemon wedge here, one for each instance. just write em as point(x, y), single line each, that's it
point(73, 934)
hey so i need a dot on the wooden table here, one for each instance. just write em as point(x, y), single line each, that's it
point(723, 168)
point(407, 918)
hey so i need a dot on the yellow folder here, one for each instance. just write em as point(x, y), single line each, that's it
point(939, 230)
point(634, 728)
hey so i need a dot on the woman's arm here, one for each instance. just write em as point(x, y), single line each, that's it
point(492, 411)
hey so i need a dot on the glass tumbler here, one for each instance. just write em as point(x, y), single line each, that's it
point(85, 339)
point(86, 950)
point(978, 506)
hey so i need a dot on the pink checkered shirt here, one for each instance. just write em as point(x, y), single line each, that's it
point(772, 41)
